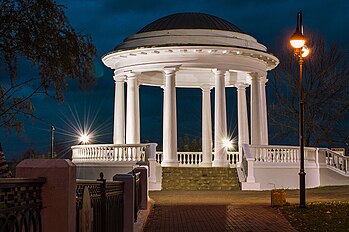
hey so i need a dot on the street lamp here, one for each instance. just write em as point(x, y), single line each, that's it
point(297, 41)
point(52, 139)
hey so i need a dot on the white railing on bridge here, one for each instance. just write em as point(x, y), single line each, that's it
point(194, 159)
point(109, 152)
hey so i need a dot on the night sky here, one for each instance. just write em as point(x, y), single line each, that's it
point(271, 22)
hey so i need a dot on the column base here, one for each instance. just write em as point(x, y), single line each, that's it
point(250, 186)
point(169, 163)
point(220, 163)
point(207, 164)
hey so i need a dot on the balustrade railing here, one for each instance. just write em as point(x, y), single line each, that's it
point(194, 159)
point(269, 154)
point(189, 158)
point(109, 152)
point(20, 204)
point(158, 157)
point(336, 161)
point(233, 157)
point(106, 202)
point(281, 154)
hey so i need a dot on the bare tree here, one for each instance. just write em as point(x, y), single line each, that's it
point(326, 95)
point(37, 35)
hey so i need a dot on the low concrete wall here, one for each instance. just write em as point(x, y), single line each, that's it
point(272, 176)
point(91, 170)
point(285, 177)
point(331, 178)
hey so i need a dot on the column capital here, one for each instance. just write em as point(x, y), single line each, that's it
point(259, 76)
point(119, 78)
point(131, 75)
point(170, 70)
point(206, 88)
point(219, 71)
point(241, 86)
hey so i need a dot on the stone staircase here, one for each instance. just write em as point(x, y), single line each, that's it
point(201, 178)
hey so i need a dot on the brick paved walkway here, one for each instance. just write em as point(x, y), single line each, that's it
point(213, 211)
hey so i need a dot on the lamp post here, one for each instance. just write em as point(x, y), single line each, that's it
point(52, 139)
point(297, 41)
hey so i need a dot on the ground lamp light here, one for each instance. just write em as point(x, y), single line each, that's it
point(228, 144)
point(297, 41)
point(52, 139)
point(84, 138)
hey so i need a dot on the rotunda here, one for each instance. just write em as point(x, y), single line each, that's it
point(192, 50)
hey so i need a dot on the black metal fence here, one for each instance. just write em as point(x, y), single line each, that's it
point(138, 194)
point(106, 202)
point(20, 204)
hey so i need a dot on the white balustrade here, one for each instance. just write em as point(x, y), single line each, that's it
point(336, 161)
point(189, 158)
point(194, 159)
point(159, 155)
point(281, 154)
point(233, 157)
point(109, 152)
point(278, 155)
point(136, 152)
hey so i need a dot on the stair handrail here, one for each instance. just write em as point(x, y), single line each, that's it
point(336, 161)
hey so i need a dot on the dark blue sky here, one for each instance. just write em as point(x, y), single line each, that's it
point(271, 22)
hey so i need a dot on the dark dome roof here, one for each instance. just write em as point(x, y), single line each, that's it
point(190, 21)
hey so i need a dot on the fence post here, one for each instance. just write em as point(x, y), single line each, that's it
point(58, 193)
point(103, 202)
point(144, 186)
point(129, 195)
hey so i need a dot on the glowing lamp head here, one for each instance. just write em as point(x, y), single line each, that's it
point(228, 144)
point(297, 40)
point(84, 138)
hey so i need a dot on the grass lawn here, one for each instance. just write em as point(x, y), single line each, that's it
point(318, 216)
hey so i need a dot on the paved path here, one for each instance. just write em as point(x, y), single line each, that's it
point(228, 210)
point(214, 211)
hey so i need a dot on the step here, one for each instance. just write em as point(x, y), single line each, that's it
point(199, 178)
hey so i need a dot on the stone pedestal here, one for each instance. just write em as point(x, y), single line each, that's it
point(58, 193)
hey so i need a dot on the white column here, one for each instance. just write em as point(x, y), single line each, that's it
point(242, 116)
point(164, 141)
point(132, 110)
point(255, 110)
point(119, 111)
point(220, 157)
point(170, 120)
point(264, 112)
point(138, 114)
point(206, 127)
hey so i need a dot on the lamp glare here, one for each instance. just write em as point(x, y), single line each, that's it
point(305, 51)
point(84, 138)
point(228, 144)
